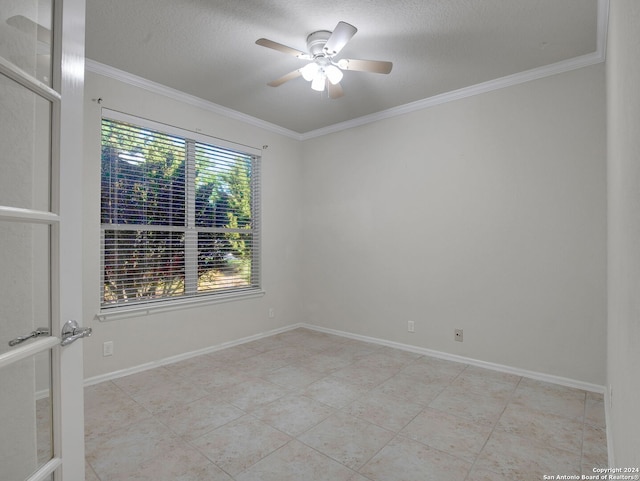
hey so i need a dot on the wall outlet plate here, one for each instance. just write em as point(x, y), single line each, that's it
point(411, 326)
point(107, 349)
point(458, 335)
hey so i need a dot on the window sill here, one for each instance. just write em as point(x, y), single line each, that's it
point(124, 312)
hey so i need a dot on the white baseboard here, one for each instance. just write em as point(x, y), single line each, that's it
point(563, 381)
point(405, 347)
point(181, 357)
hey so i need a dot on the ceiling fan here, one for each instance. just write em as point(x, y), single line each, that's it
point(325, 70)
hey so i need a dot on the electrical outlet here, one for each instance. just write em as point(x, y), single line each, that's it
point(411, 326)
point(272, 313)
point(107, 349)
point(458, 335)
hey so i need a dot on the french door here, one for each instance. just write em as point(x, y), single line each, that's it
point(41, 87)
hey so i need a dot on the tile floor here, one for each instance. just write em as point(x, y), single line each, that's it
point(308, 406)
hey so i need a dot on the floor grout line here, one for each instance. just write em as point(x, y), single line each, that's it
point(397, 366)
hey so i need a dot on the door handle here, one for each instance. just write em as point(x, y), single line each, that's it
point(72, 332)
point(41, 331)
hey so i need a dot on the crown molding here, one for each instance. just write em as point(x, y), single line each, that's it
point(154, 87)
point(598, 56)
point(603, 27)
point(481, 88)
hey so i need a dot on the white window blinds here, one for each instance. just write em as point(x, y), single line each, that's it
point(179, 216)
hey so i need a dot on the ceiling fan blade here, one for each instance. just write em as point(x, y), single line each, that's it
point(27, 25)
point(339, 38)
point(264, 42)
point(285, 78)
point(375, 66)
point(335, 90)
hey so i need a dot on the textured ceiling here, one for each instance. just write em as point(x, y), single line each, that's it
point(206, 48)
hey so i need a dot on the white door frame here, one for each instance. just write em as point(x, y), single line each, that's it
point(69, 419)
point(65, 217)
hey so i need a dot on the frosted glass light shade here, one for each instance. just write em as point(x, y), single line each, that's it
point(310, 71)
point(319, 82)
point(334, 74)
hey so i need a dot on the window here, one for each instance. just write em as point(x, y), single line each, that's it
point(179, 215)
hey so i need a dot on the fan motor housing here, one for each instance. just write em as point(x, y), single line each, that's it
point(316, 42)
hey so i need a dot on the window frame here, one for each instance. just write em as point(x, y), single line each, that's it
point(191, 230)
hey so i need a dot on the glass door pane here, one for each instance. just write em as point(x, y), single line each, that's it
point(26, 416)
point(44, 408)
point(25, 36)
point(24, 283)
point(25, 156)
point(40, 381)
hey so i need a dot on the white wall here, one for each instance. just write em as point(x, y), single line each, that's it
point(154, 337)
point(486, 214)
point(623, 97)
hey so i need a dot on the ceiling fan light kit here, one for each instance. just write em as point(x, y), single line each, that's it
point(324, 71)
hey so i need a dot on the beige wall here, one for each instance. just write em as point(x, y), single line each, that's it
point(623, 116)
point(486, 214)
point(155, 337)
